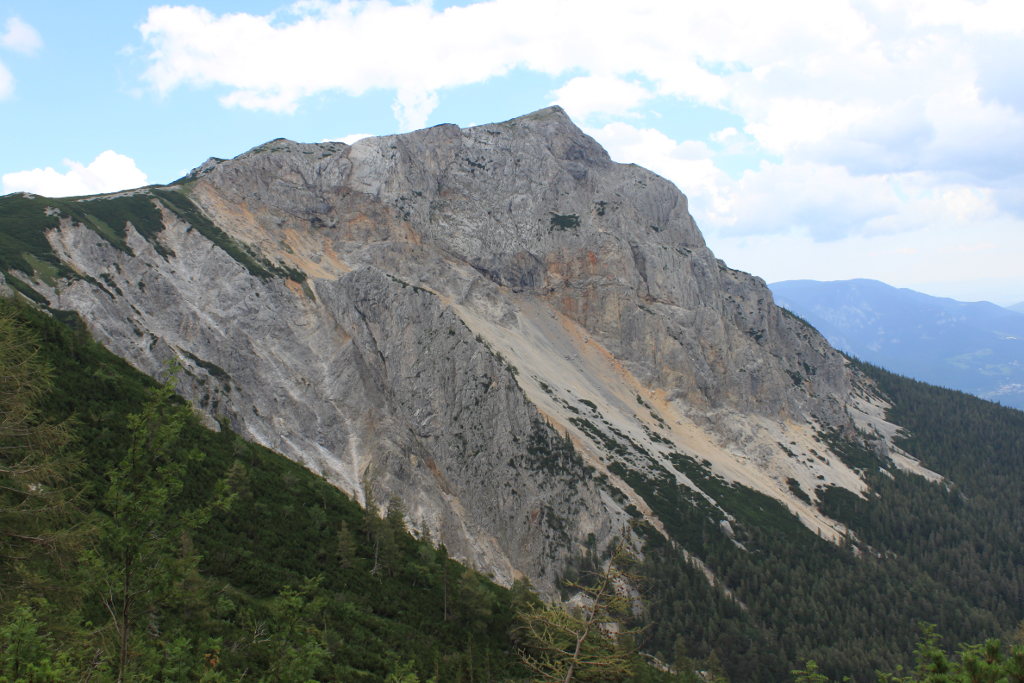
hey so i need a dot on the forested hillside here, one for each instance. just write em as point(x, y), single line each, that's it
point(950, 554)
point(244, 565)
point(283, 578)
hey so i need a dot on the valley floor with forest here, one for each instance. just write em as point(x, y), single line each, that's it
point(136, 544)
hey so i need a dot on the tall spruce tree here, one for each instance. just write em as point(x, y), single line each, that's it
point(145, 524)
point(37, 502)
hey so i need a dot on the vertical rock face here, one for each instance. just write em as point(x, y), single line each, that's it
point(486, 320)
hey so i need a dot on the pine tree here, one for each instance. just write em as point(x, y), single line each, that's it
point(372, 511)
point(238, 481)
point(295, 643)
point(145, 528)
point(346, 546)
point(37, 502)
point(396, 513)
point(561, 645)
point(445, 576)
point(681, 662)
point(475, 600)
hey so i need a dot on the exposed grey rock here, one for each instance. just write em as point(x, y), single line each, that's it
point(371, 377)
point(536, 206)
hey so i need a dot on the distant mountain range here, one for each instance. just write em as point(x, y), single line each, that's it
point(975, 347)
point(1018, 307)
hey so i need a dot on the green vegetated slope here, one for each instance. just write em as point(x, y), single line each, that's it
point(24, 220)
point(417, 612)
point(951, 554)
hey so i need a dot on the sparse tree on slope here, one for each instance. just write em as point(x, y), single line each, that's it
point(589, 642)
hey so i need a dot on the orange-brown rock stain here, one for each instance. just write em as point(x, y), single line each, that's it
point(441, 482)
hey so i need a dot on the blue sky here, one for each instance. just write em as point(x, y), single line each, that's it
point(824, 139)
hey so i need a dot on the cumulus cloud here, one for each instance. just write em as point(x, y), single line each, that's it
point(349, 139)
point(586, 95)
point(821, 201)
point(6, 82)
point(269, 63)
point(20, 37)
point(688, 164)
point(874, 86)
point(109, 172)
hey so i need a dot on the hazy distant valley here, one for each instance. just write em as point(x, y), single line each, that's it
point(974, 347)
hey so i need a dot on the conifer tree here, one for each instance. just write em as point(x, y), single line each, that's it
point(562, 644)
point(37, 502)
point(296, 645)
point(238, 481)
point(372, 511)
point(346, 546)
point(145, 527)
point(445, 576)
point(681, 662)
point(396, 513)
point(476, 601)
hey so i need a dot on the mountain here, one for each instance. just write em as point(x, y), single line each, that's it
point(475, 320)
point(1017, 307)
point(975, 347)
point(530, 346)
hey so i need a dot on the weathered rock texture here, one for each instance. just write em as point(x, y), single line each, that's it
point(468, 294)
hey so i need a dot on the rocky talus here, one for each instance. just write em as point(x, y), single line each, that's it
point(499, 325)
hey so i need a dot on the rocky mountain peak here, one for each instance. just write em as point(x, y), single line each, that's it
point(498, 324)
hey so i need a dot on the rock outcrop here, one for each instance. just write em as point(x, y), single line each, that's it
point(489, 323)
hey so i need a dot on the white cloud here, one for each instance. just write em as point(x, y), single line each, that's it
point(873, 85)
point(412, 106)
point(789, 122)
point(109, 172)
point(20, 37)
point(349, 139)
point(725, 135)
point(894, 122)
point(6, 82)
point(995, 16)
point(824, 202)
point(688, 164)
point(586, 95)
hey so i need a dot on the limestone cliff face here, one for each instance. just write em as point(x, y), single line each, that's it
point(491, 319)
point(535, 206)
